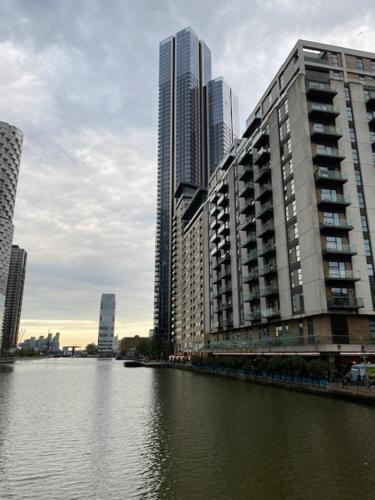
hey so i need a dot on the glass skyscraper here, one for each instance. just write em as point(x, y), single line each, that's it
point(183, 146)
point(106, 325)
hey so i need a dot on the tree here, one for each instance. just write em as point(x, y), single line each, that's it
point(144, 347)
point(92, 349)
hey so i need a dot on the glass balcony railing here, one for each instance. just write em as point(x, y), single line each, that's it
point(263, 173)
point(320, 130)
point(320, 152)
point(336, 223)
point(342, 249)
point(344, 275)
point(321, 109)
point(317, 88)
point(333, 199)
point(344, 302)
point(324, 174)
point(269, 290)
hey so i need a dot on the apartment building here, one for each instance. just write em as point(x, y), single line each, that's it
point(189, 263)
point(292, 212)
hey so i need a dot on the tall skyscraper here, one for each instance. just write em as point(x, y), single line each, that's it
point(10, 154)
point(183, 152)
point(106, 325)
point(13, 300)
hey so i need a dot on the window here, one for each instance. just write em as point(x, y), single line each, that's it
point(335, 60)
point(336, 269)
point(355, 156)
point(361, 80)
point(370, 270)
point(339, 292)
point(300, 328)
point(328, 194)
point(373, 66)
point(296, 278)
point(361, 200)
point(297, 303)
point(347, 94)
point(358, 178)
point(372, 327)
point(359, 63)
point(278, 330)
point(367, 247)
point(334, 242)
point(364, 223)
point(287, 125)
point(282, 81)
point(293, 231)
point(349, 113)
point(352, 134)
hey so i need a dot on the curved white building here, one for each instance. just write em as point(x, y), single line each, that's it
point(11, 140)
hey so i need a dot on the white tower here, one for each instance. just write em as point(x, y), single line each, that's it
point(106, 325)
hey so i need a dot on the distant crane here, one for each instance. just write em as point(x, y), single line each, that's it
point(72, 347)
point(20, 336)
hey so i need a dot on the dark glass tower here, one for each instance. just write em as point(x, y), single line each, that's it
point(13, 299)
point(183, 153)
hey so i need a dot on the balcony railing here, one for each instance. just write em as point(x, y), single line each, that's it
point(322, 174)
point(247, 190)
point(223, 243)
point(327, 153)
point(262, 155)
point(253, 316)
point(271, 312)
point(333, 199)
point(250, 240)
point(265, 208)
point(343, 249)
point(319, 109)
point(344, 302)
point(317, 89)
point(265, 190)
point(251, 276)
point(263, 173)
point(338, 223)
point(261, 138)
point(223, 214)
point(345, 275)
point(224, 229)
point(245, 172)
point(250, 257)
point(267, 228)
point(267, 248)
point(269, 290)
point(371, 118)
point(268, 269)
point(320, 131)
point(254, 295)
point(248, 223)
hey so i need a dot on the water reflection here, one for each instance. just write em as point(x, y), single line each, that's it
point(93, 429)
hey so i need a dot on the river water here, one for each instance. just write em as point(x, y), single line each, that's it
point(82, 428)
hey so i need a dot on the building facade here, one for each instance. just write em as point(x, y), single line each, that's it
point(11, 140)
point(183, 152)
point(106, 336)
point(294, 265)
point(13, 300)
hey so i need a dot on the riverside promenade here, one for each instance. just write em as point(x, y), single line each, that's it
point(358, 394)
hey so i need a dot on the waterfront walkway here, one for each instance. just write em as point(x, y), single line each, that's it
point(359, 394)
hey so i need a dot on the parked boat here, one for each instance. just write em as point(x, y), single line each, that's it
point(130, 363)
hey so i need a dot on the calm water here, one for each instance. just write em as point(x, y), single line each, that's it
point(79, 429)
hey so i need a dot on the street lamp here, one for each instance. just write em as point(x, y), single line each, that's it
point(364, 361)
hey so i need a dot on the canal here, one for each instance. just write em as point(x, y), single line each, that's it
point(82, 428)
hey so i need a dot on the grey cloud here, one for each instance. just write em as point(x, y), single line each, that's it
point(79, 77)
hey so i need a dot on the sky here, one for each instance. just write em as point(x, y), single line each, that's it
point(79, 78)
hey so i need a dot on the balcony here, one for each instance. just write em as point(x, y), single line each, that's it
point(267, 249)
point(214, 238)
point(343, 249)
point(339, 224)
point(320, 132)
point(265, 191)
point(327, 154)
point(246, 158)
point(344, 302)
point(249, 223)
point(271, 312)
point(267, 229)
point(222, 187)
point(224, 229)
point(247, 191)
point(250, 240)
point(325, 175)
point(225, 243)
point(214, 210)
point(225, 305)
point(269, 290)
point(263, 173)
point(338, 275)
point(370, 100)
point(320, 110)
point(225, 289)
point(371, 118)
point(227, 161)
point(268, 269)
point(227, 323)
point(248, 208)
point(214, 224)
point(223, 215)
point(251, 257)
point(223, 200)
point(261, 139)
point(337, 200)
point(251, 125)
point(253, 295)
point(262, 156)
point(319, 90)
point(253, 316)
point(265, 209)
point(214, 251)
point(245, 172)
point(251, 276)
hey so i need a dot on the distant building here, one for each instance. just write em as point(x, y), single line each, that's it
point(106, 325)
point(128, 345)
point(49, 344)
point(10, 154)
point(13, 300)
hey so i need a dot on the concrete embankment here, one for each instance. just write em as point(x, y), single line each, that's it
point(352, 393)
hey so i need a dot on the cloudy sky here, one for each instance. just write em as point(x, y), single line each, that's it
point(79, 77)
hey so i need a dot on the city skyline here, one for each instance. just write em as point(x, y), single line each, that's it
point(88, 140)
